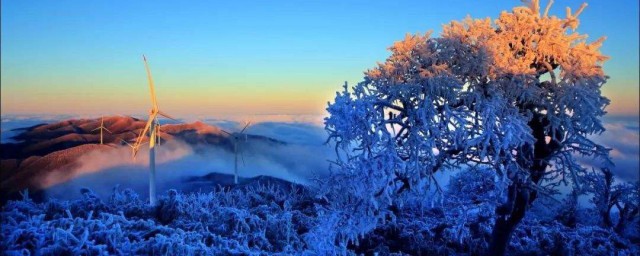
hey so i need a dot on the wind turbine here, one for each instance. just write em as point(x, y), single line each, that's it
point(101, 127)
point(236, 137)
point(151, 128)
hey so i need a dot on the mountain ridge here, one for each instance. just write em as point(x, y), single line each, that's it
point(54, 148)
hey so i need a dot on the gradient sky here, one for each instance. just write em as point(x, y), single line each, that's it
point(240, 57)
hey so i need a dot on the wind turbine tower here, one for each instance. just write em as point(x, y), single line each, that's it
point(236, 138)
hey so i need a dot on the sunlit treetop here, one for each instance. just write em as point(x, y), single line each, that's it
point(523, 41)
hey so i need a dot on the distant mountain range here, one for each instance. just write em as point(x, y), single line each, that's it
point(47, 149)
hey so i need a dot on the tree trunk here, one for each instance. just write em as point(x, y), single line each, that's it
point(508, 216)
point(501, 236)
point(606, 211)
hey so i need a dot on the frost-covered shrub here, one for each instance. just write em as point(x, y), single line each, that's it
point(170, 207)
point(534, 238)
point(462, 221)
point(260, 219)
point(268, 219)
point(348, 206)
point(458, 222)
point(129, 203)
point(476, 186)
point(617, 203)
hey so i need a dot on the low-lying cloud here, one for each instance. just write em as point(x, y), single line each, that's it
point(303, 157)
point(118, 157)
point(623, 137)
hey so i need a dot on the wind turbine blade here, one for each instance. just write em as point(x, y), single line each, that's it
point(165, 115)
point(144, 131)
point(154, 102)
point(96, 128)
point(128, 144)
point(226, 132)
point(105, 128)
point(245, 126)
point(135, 152)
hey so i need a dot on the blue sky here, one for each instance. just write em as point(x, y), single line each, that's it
point(267, 57)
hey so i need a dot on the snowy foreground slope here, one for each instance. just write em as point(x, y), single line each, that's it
point(268, 217)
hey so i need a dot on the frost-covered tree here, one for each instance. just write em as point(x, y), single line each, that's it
point(607, 196)
point(519, 94)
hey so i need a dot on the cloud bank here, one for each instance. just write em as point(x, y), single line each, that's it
point(304, 156)
point(623, 137)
